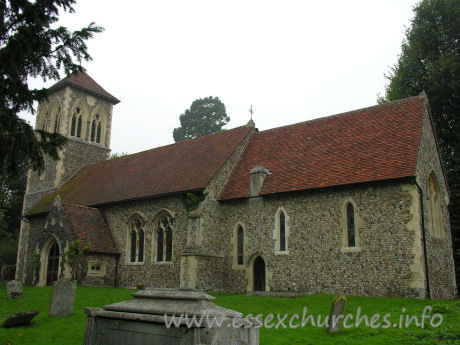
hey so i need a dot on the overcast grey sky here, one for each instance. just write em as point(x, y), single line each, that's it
point(292, 60)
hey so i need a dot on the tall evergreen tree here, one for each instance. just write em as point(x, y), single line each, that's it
point(12, 189)
point(205, 116)
point(31, 45)
point(430, 62)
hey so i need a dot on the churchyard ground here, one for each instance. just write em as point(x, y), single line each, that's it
point(70, 330)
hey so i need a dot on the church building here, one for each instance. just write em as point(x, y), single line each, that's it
point(355, 203)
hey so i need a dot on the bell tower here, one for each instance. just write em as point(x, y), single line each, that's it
point(81, 110)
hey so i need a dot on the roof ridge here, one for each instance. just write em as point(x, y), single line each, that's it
point(172, 144)
point(422, 95)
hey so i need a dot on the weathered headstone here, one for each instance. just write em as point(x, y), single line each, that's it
point(63, 297)
point(20, 319)
point(14, 289)
point(336, 315)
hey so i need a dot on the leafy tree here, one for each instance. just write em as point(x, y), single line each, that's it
point(430, 62)
point(118, 155)
point(76, 254)
point(31, 45)
point(205, 116)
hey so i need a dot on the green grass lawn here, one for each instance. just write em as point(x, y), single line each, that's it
point(70, 330)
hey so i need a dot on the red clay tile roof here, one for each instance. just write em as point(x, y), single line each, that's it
point(85, 82)
point(184, 166)
point(370, 144)
point(89, 226)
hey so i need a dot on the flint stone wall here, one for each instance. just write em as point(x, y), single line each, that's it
point(316, 261)
point(151, 273)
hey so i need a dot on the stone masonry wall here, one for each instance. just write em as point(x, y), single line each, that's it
point(29, 273)
point(109, 267)
point(150, 272)
point(43, 228)
point(441, 268)
point(316, 261)
point(211, 273)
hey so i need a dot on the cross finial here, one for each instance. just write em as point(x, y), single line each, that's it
point(251, 111)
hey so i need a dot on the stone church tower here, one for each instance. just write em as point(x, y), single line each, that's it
point(81, 110)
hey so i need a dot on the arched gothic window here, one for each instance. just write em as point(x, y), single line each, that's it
point(240, 246)
point(96, 129)
point(282, 227)
point(281, 232)
point(77, 123)
point(351, 225)
point(136, 238)
point(435, 207)
point(164, 235)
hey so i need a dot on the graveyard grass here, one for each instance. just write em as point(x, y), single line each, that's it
point(70, 330)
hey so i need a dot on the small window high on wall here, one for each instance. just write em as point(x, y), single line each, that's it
point(282, 220)
point(281, 232)
point(240, 246)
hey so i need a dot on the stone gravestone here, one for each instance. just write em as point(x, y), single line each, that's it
point(14, 289)
point(336, 315)
point(20, 319)
point(63, 297)
point(143, 321)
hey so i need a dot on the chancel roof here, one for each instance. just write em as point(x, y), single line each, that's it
point(371, 144)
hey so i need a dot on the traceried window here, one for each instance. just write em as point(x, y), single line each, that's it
point(77, 123)
point(96, 129)
point(136, 238)
point(240, 246)
point(164, 225)
point(351, 225)
point(282, 225)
